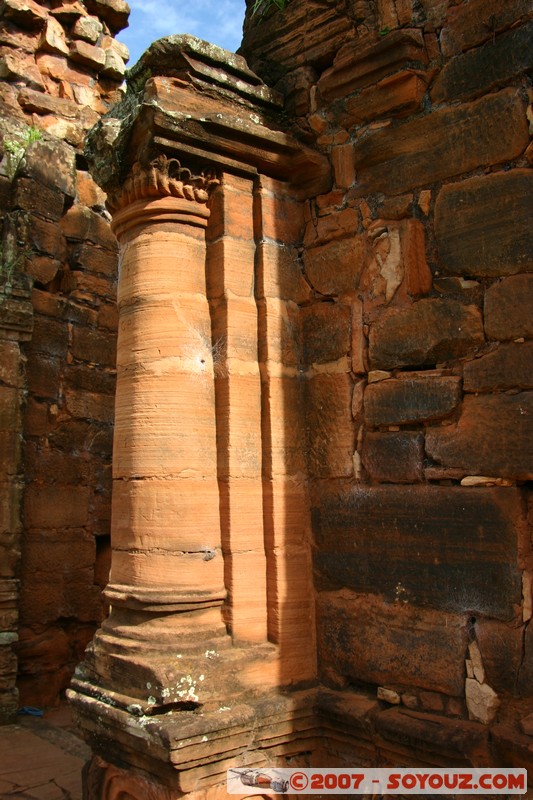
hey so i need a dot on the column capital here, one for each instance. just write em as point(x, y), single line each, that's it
point(162, 177)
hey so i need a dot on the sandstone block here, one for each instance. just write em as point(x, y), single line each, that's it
point(475, 22)
point(239, 426)
point(428, 536)
point(95, 259)
point(26, 13)
point(510, 746)
point(343, 166)
point(68, 435)
point(69, 130)
point(286, 513)
point(68, 12)
point(50, 337)
point(41, 103)
point(94, 346)
point(411, 399)
point(10, 400)
point(56, 507)
point(36, 418)
point(153, 406)
point(44, 376)
point(11, 364)
point(114, 66)
point(87, 54)
point(279, 333)
point(87, 28)
point(241, 514)
point(230, 267)
point(366, 639)
point(69, 75)
point(49, 466)
point(73, 595)
point(282, 218)
point(493, 436)
point(326, 331)
point(82, 224)
point(394, 457)
point(164, 267)
point(481, 701)
point(190, 571)
point(330, 429)
point(10, 526)
point(15, 67)
point(43, 236)
point(53, 38)
point(500, 645)
point(234, 327)
point(91, 406)
point(245, 582)
point(285, 452)
point(114, 12)
point(337, 267)
point(151, 512)
point(110, 43)
point(83, 287)
point(508, 367)
point(479, 232)
point(442, 740)
point(232, 210)
point(44, 651)
point(356, 67)
point(108, 316)
point(10, 542)
point(388, 695)
point(328, 226)
point(508, 307)
point(495, 64)
point(51, 163)
point(397, 95)
point(279, 273)
point(30, 196)
point(429, 332)
point(89, 193)
point(443, 144)
point(9, 453)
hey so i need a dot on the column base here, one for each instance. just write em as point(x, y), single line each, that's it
point(188, 753)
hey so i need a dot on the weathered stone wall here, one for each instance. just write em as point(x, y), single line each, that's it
point(61, 69)
point(416, 343)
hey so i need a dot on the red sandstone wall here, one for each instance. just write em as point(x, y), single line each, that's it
point(416, 341)
point(61, 69)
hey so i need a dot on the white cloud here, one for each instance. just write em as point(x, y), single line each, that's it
point(217, 21)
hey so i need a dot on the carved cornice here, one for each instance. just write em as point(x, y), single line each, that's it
point(162, 177)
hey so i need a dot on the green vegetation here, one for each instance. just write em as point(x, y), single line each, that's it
point(15, 149)
point(262, 7)
point(9, 263)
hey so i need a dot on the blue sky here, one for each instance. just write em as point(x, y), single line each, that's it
point(218, 21)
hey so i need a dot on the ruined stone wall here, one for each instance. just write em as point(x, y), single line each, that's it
point(61, 68)
point(417, 348)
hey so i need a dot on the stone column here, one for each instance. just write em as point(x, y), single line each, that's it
point(167, 578)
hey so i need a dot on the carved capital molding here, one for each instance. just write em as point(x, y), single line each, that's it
point(163, 177)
